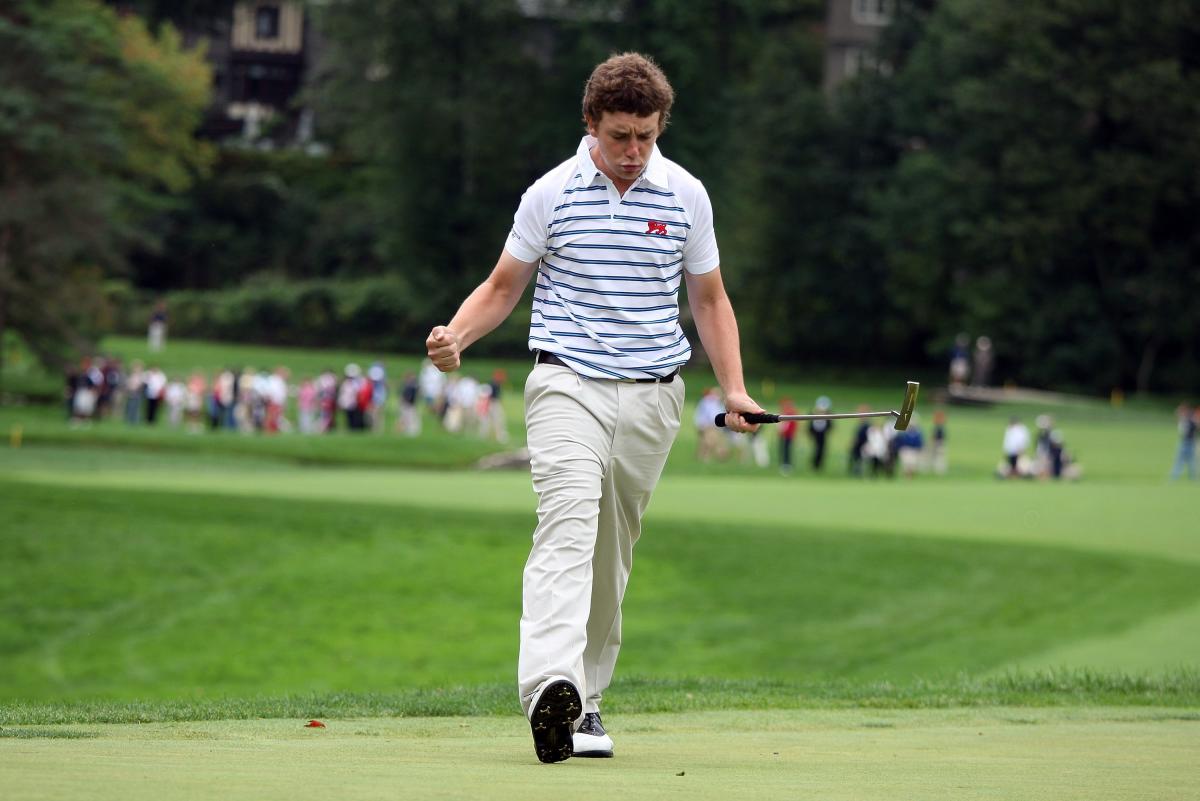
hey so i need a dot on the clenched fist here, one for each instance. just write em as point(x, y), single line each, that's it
point(443, 350)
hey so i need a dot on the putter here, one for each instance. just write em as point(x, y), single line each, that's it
point(902, 417)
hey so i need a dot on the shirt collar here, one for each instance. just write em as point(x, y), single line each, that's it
point(655, 171)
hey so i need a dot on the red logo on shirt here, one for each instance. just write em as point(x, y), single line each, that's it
point(655, 227)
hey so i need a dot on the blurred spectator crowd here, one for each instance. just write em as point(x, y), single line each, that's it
point(269, 402)
point(1050, 458)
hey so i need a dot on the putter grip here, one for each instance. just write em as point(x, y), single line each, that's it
point(753, 418)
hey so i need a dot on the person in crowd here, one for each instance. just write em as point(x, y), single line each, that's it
point(363, 401)
point(909, 444)
point(82, 391)
point(433, 389)
point(175, 398)
point(135, 392)
point(245, 400)
point(155, 390)
point(275, 396)
point(1016, 443)
point(787, 435)
point(483, 402)
point(221, 408)
point(818, 432)
point(960, 361)
point(156, 331)
point(377, 404)
point(71, 373)
point(408, 422)
point(759, 448)
point(347, 397)
point(194, 405)
point(111, 388)
point(327, 401)
point(1185, 456)
point(1063, 464)
point(306, 406)
point(938, 455)
point(858, 445)
point(878, 452)
point(709, 444)
point(1041, 445)
point(462, 394)
point(983, 359)
point(498, 422)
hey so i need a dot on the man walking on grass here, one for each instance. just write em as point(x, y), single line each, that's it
point(610, 234)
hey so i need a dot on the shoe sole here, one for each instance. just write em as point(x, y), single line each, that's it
point(552, 719)
point(593, 754)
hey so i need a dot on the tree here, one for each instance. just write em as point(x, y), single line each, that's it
point(458, 106)
point(1048, 192)
point(96, 116)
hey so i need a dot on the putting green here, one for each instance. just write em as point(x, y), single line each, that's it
point(857, 755)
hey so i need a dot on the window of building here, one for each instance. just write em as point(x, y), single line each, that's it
point(862, 59)
point(266, 22)
point(872, 12)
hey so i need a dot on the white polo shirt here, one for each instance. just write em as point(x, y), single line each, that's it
point(606, 300)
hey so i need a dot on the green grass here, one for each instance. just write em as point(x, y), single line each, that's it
point(812, 636)
point(224, 574)
point(129, 594)
point(634, 696)
point(852, 755)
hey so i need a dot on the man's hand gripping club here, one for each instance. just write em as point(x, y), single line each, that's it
point(735, 403)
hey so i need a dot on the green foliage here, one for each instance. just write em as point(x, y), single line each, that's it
point(110, 588)
point(177, 12)
point(282, 212)
point(458, 121)
point(1045, 191)
point(383, 312)
point(95, 129)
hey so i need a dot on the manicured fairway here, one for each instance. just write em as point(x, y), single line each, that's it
point(1112, 516)
point(809, 636)
point(191, 575)
point(856, 755)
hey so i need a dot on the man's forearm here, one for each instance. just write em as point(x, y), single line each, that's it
point(718, 330)
point(484, 309)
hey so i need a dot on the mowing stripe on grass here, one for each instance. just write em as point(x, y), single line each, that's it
point(123, 594)
point(1152, 520)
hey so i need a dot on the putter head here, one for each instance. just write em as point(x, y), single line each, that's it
point(906, 409)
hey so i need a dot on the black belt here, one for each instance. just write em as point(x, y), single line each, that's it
point(544, 357)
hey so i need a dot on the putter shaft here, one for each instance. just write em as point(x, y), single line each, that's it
point(902, 417)
point(843, 416)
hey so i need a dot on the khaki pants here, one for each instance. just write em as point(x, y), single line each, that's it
point(597, 449)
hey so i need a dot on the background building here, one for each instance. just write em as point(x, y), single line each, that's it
point(852, 28)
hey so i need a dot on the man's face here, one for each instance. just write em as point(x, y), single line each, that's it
point(626, 142)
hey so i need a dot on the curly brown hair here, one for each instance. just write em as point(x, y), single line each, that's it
point(628, 82)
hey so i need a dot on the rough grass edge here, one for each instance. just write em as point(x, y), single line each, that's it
point(1176, 688)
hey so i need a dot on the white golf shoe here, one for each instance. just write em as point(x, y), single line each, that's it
point(591, 740)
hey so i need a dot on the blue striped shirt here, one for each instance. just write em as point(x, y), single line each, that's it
point(606, 298)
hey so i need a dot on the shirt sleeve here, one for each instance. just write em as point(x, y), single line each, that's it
point(527, 239)
point(700, 253)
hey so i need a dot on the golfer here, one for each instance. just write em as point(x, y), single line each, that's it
point(610, 234)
